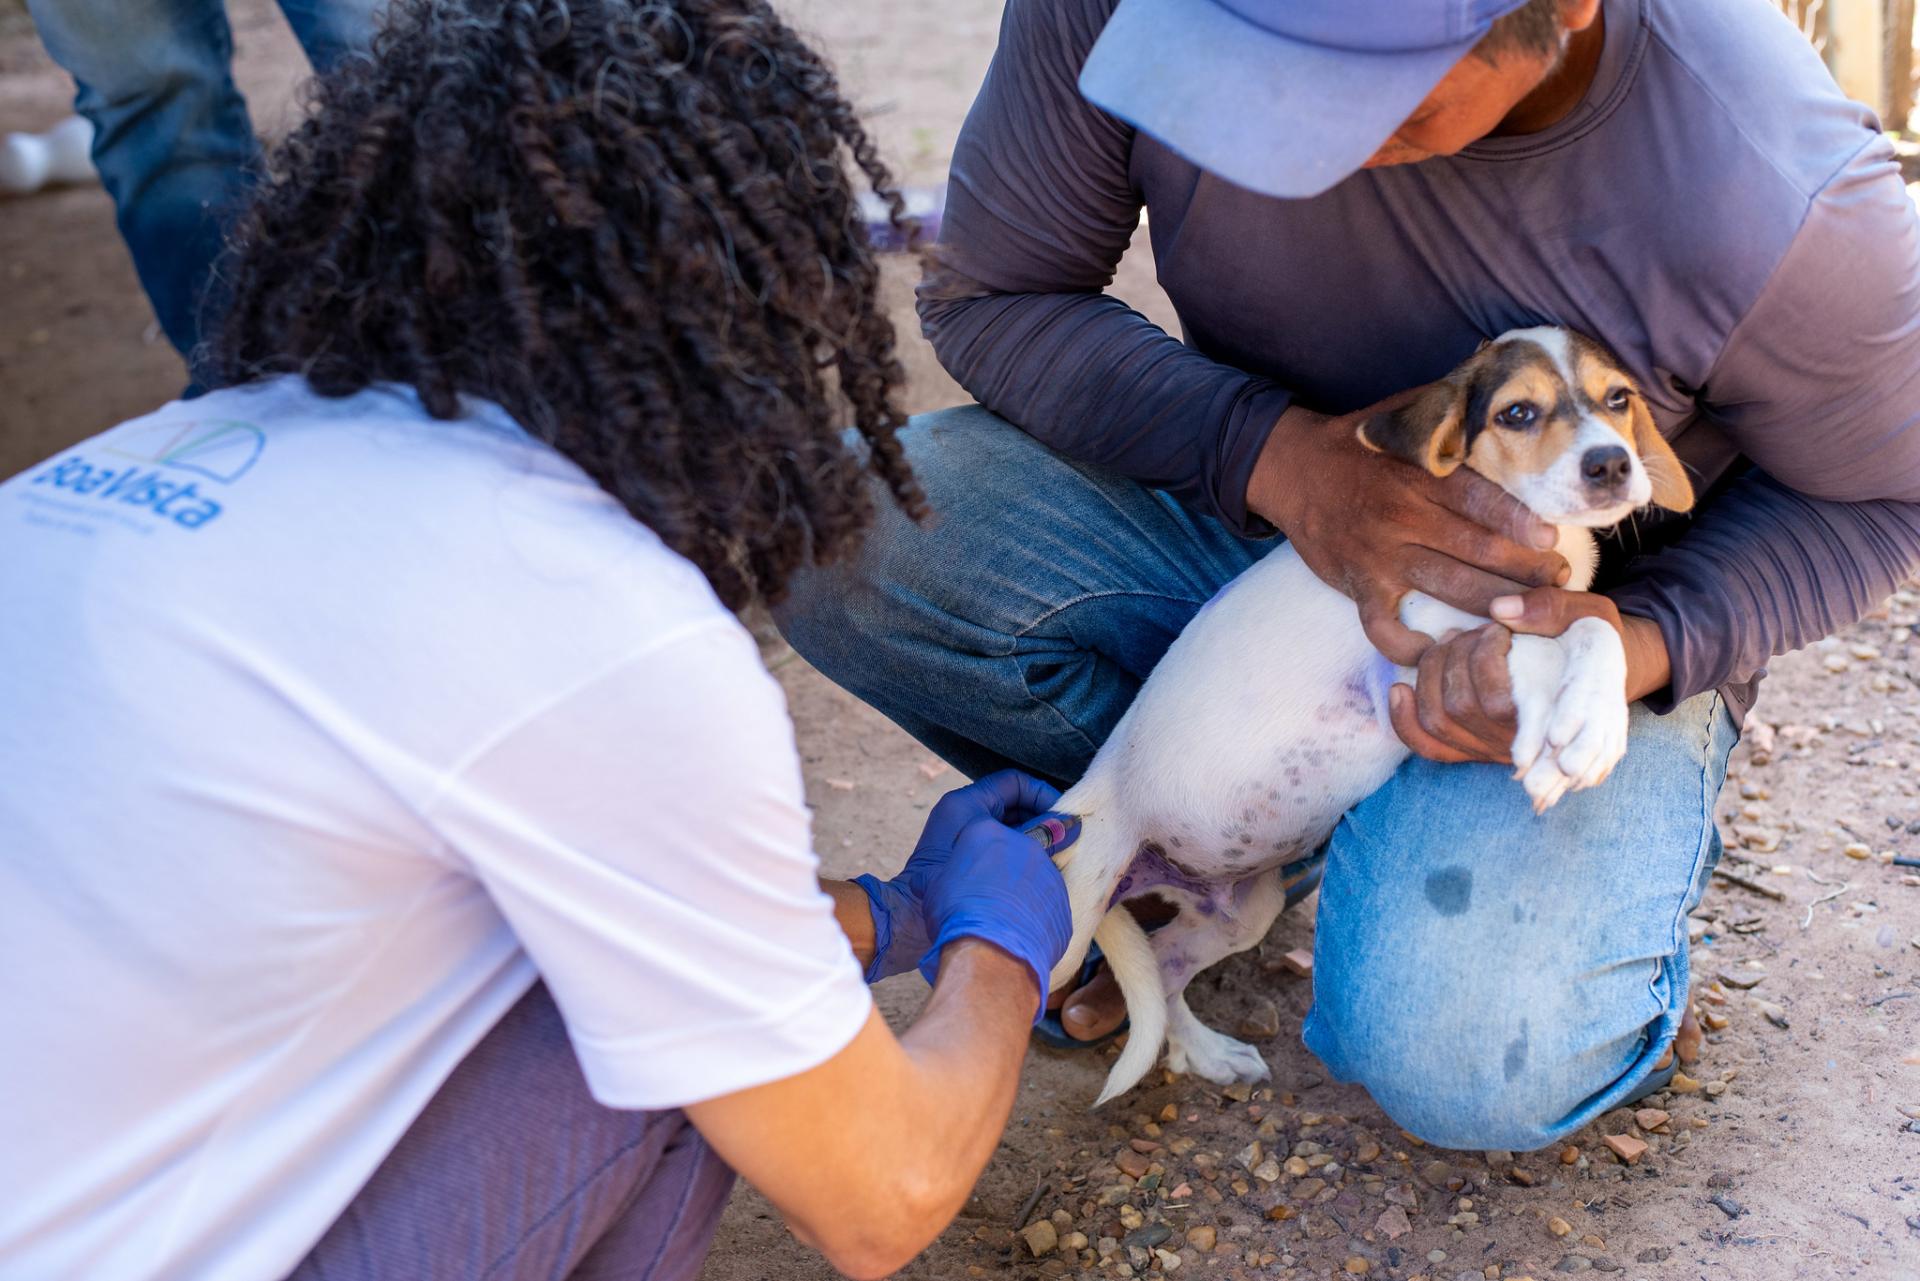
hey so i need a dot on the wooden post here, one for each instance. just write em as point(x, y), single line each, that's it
point(1899, 78)
point(1855, 49)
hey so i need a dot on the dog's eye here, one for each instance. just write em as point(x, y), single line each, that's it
point(1617, 399)
point(1521, 413)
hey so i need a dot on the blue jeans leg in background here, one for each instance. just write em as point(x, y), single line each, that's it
point(1016, 628)
point(172, 138)
point(1494, 979)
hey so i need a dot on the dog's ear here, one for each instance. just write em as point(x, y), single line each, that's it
point(1428, 431)
point(1671, 488)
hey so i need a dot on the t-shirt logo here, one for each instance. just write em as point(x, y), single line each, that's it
point(220, 449)
point(162, 461)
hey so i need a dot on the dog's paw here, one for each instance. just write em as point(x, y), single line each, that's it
point(1213, 1056)
point(1573, 731)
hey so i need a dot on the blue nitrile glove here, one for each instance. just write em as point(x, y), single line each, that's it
point(973, 875)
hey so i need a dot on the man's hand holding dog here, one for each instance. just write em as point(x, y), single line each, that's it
point(1462, 709)
point(1378, 528)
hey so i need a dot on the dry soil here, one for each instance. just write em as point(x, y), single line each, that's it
point(1800, 1127)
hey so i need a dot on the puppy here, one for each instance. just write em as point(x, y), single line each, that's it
point(1267, 718)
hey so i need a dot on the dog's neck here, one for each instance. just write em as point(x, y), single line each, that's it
point(1577, 544)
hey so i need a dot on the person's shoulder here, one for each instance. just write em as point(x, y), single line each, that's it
point(452, 527)
point(1740, 73)
point(1057, 27)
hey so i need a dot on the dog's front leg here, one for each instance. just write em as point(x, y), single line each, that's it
point(1570, 696)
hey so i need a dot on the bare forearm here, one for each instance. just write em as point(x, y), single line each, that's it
point(871, 1154)
point(966, 1049)
point(853, 913)
point(1649, 668)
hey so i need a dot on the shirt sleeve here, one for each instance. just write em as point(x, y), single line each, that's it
point(645, 835)
point(1819, 386)
point(1040, 208)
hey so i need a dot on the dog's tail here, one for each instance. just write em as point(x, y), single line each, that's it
point(1091, 867)
point(1130, 957)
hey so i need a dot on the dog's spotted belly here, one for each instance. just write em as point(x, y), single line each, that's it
point(1280, 807)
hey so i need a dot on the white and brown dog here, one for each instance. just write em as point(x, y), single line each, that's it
point(1252, 738)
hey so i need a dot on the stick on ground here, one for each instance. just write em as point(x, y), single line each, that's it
point(1734, 878)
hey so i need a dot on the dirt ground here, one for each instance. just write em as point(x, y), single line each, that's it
point(1793, 1158)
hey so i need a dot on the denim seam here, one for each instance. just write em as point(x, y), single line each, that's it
point(532, 1229)
point(679, 1211)
point(1014, 658)
point(1676, 932)
point(1064, 606)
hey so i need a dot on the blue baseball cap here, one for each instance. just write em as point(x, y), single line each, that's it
point(1284, 97)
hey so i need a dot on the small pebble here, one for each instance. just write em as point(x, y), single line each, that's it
point(1262, 1021)
point(1559, 1226)
point(1358, 1266)
point(1650, 1118)
point(1202, 1238)
point(1149, 1236)
point(1040, 1237)
point(1569, 1154)
point(1626, 1147)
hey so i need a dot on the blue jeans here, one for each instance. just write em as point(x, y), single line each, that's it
point(172, 139)
point(1494, 979)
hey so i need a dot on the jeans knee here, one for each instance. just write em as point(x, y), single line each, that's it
point(1459, 1063)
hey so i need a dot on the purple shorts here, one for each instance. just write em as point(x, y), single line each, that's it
point(513, 1172)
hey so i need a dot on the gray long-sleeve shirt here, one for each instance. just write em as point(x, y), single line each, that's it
point(1714, 211)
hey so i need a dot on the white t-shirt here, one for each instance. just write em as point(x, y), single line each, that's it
point(324, 728)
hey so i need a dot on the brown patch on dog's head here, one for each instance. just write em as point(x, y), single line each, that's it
point(1429, 431)
point(1437, 430)
point(1519, 407)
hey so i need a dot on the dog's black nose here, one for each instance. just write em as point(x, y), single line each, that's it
point(1606, 467)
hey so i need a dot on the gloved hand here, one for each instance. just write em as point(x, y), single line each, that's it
point(975, 875)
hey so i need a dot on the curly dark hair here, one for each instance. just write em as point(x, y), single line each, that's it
point(631, 224)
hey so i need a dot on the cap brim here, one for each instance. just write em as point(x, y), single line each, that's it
point(1263, 111)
